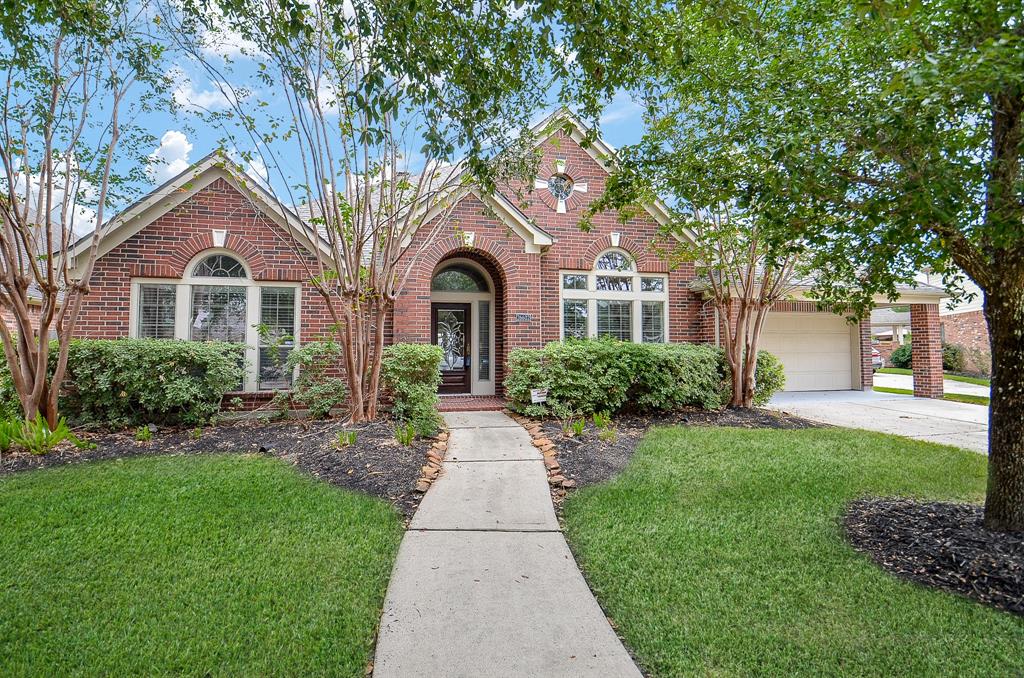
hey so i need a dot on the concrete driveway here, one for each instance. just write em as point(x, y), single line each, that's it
point(936, 421)
point(905, 381)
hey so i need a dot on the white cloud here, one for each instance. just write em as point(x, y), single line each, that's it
point(226, 43)
point(80, 193)
point(188, 97)
point(622, 107)
point(170, 157)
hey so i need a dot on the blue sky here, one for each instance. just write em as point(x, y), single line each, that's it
point(184, 136)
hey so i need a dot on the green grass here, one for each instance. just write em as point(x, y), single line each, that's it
point(719, 552)
point(955, 397)
point(214, 565)
point(980, 381)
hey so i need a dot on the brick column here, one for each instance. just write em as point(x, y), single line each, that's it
point(867, 372)
point(926, 347)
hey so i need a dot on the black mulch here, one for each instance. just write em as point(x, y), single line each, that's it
point(376, 464)
point(590, 459)
point(941, 545)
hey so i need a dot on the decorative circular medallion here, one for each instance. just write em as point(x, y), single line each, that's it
point(560, 186)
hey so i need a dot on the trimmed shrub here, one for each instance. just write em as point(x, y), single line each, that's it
point(127, 382)
point(602, 375)
point(901, 357)
point(953, 358)
point(315, 388)
point(769, 377)
point(412, 373)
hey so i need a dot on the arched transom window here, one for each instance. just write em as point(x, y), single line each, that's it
point(217, 300)
point(219, 266)
point(615, 300)
point(459, 278)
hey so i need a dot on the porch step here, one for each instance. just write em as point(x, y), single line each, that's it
point(464, 403)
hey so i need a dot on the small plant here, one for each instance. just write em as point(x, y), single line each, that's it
point(9, 431)
point(236, 403)
point(346, 439)
point(143, 434)
point(36, 436)
point(578, 426)
point(602, 420)
point(608, 435)
point(196, 433)
point(405, 433)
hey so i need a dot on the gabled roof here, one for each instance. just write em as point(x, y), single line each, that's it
point(603, 153)
point(170, 194)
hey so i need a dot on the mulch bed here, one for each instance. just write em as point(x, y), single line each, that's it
point(376, 464)
point(589, 459)
point(941, 545)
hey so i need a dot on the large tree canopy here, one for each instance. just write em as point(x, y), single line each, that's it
point(885, 137)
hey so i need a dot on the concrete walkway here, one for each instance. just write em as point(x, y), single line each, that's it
point(937, 421)
point(906, 381)
point(484, 584)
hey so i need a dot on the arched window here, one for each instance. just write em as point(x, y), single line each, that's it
point(217, 300)
point(614, 260)
point(459, 278)
point(219, 266)
point(614, 300)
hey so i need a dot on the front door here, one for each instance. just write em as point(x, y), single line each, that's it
point(449, 329)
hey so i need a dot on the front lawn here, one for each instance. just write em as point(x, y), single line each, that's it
point(720, 551)
point(196, 565)
point(955, 397)
point(980, 381)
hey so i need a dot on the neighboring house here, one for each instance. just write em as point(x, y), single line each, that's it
point(200, 259)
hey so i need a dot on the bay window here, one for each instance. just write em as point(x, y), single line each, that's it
point(614, 300)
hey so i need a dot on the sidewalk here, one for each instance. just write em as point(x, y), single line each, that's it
point(484, 584)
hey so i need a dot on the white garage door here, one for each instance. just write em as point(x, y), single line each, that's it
point(815, 349)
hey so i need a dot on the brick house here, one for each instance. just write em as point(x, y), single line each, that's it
point(209, 255)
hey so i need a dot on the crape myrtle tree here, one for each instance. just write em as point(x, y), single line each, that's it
point(709, 149)
point(370, 105)
point(899, 126)
point(75, 75)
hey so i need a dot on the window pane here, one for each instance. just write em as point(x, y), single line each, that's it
point(273, 374)
point(277, 313)
point(614, 319)
point(652, 319)
point(218, 313)
point(574, 281)
point(574, 321)
point(612, 283)
point(219, 266)
point(459, 279)
point(614, 261)
point(485, 339)
point(277, 320)
point(156, 311)
point(652, 284)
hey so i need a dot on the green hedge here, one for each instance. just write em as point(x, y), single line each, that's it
point(412, 373)
point(587, 376)
point(127, 382)
point(901, 357)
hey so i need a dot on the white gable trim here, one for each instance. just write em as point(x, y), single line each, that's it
point(534, 238)
point(162, 200)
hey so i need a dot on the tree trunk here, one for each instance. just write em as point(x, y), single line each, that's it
point(1004, 500)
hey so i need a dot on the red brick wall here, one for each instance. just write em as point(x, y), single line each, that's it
point(530, 281)
point(970, 331)
point(926, 347)
point(164, 248)
point(527, 283)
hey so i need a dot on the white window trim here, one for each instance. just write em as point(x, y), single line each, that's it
point(183, 308)
point(591, 295)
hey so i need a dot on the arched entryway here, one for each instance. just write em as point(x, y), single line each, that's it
point(466, 307)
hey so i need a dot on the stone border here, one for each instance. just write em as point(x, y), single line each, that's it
point(435, 456)
point(559, 483)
